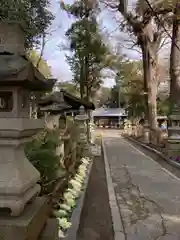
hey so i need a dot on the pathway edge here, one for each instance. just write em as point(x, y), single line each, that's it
point(130, 139)
point(117, 221)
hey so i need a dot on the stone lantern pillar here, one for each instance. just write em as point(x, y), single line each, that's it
point(173, 141)
point(18, 177)
point(134, 130)
point(92, 133)
point(82, 128)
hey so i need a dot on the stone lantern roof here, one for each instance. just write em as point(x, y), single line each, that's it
point(53, 103)
point(17, 70)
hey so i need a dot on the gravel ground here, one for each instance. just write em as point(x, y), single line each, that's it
point(95, 223)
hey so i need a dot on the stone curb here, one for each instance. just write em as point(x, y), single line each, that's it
point(71, 233)
point(173, 163)
point(115, 212)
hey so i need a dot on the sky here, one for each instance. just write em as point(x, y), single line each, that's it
point(54, 52)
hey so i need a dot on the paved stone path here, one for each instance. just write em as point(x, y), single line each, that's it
point(147, 196)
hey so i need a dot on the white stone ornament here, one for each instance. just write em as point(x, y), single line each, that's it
point(82, 115)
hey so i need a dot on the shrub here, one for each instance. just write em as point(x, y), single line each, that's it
point(41, 152)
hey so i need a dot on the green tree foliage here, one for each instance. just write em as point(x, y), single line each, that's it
point(70, 87)
point(128, 91)
point(87, 50)
point(129, 86)
point(43, 67)
point(103, 96)
point(33, 13)
point(41, 151)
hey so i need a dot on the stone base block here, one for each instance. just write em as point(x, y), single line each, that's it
point(50, 231)
point(17, 203)
point(28, 225)
point(173, 147)
point(171, 153)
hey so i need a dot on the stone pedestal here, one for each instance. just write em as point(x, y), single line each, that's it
point(28, 225)
point(130, 130)
point(173, 147)
point(134, 133)
point(18, 177)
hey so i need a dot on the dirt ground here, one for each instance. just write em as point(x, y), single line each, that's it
point(95, 223)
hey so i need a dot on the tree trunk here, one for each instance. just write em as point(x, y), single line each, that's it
point(146, 77)
point(82, 79)
point(150, 86)
point(87, 94)
point(175, 58)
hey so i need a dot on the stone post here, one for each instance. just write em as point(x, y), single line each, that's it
point(173, 141)
point(92, 132)
point(82, 129)
point(146, 132)
point(130, 130)
point(134, 132)
point(61, 129)
point(126, 127)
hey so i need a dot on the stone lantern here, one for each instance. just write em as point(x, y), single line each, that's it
point(18, 177)
point(173, 142)
point(82, 128)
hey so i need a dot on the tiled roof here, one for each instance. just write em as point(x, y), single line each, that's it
point(108, 112)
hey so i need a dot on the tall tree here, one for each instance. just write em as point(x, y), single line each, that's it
point(86, 46)
point(168, 15)
point(129, 87)
point(148, 32)
point(175, 56)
